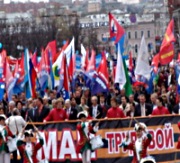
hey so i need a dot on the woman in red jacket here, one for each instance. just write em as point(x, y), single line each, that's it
point(85, 128)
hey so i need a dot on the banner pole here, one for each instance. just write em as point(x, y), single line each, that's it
point(130, 123)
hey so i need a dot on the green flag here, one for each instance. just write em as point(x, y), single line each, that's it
point(127, 86)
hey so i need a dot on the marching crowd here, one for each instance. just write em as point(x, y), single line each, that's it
point(112, 104)
point(15, 114)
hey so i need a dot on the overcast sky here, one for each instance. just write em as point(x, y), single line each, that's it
point(8, 1)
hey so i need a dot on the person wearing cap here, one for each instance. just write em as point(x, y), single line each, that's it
point(27, 148)
point(85, 128)
point(4, 134)
point(139, 147)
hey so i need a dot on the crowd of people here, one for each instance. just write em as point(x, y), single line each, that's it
point(112, 104)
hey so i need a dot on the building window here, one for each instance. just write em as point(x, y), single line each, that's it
point(136, 48)
point(148, 34)
point(142, 33)
point(135, 34)
point(129, 35)
point(150, 47)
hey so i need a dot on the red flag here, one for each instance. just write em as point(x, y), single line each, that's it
point(43, 64)
point(34, 59)
point(58, 53)
point(11, 60)
point(169, 35)
point(178, 60)
point(64, 78)
point(92, 63)
point(115, 29)
point(131, 66)
point(15, 68)
point(103, 70)
point(71, 67)
point(33, 78)
point(155, 62)
point(166, 53)
point(86, 60)
point(20, 70)
point(9, 80)
point(52, 47)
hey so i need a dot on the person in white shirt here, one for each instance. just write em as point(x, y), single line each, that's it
point(15, 123)
point(154, 96)
point(125, 106)
point(95, 110)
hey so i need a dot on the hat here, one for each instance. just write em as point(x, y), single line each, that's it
point(82, 114)
point(148, 159)
point(28, 133)
point(2, 116)
point(139, 126)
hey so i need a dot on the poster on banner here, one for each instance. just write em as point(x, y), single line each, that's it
point(60, 140)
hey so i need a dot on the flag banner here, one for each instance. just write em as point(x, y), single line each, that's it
point(64, 85)
point(177, 71)
point(120, 76)
point(20, 75)
point(103, 70)
point(166, 53)
point(142, 66)
point(78, 63)
point(2, 77)
point(61, 137)
point(115, 29)
point(98, 60)
point(98, 84)
point(84, 58)
point(52, 47)
point(10, 81)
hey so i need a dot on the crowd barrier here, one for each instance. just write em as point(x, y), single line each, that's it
point(61, 137)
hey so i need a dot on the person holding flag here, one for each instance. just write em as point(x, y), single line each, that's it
point(27, 148)
point(141, 144)
point(4, 134)
point(85, 128)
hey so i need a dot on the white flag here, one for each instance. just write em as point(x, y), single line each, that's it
point(56, 68)
point(120, 76)
point(142, 65)
point(70, 51)
point(83, 59)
